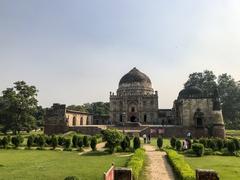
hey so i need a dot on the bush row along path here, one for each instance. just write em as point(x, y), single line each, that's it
point(158, 167)
point(100, 147)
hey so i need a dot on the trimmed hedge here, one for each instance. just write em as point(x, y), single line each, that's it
point(136, 162)
point(198, 149)
point(180, 166)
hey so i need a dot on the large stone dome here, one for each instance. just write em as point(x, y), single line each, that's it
point(135, 76)
point(135, 82)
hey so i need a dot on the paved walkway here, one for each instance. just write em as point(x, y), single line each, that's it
point(158, 167)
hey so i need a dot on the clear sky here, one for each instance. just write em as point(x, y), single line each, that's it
point(76, 51)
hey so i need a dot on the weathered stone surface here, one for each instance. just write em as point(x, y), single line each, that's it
point(203, 174)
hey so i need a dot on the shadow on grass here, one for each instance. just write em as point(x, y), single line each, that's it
point(96, 153)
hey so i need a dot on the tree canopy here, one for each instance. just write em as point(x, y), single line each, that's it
point(229, 91)
point(96, 108)
point(18, 106)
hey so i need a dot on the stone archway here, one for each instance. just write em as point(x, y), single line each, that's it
point(133, 118)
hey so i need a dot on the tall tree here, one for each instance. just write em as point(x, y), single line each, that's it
point(229, 91)
point(96, 108)
point(205, 80)
point(18, 106)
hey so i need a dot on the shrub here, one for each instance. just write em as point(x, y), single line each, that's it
point(16, 141)
point(136, 143)
point(124, 144)
point(195, 141)
point(54, 141)
point(160, 142)
point(178, 145)
point(71, 178)
point(208, 143)
point(203, 141)
point(67, 144)
point(113, 138)
point(173, 142)
point(41, 141)
point(85, 141)
point(93, 143)
point(128, 141)
point(212, 144)
point(60, 140)
point(237, 143)
point(5, 142)
point(80, 143)
point(220, 144)
point(231, 147)
point(208, 151)
point(198, 149)
point(30, 141)
point(8, 139)
point(48, 140)
point(180, 166)
point(136, 162)
point(75, 141)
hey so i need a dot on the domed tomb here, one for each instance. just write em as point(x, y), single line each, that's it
point(135, 83)
point(190, 92)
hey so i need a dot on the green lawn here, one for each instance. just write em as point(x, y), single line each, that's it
point(228, 167)
point(34, 164)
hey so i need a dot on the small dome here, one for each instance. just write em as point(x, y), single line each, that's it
point(190, 92)
point(135, 76)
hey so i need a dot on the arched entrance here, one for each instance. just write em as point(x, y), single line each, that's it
point(133, 118)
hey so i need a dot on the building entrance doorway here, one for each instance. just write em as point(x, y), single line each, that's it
point(133, 118)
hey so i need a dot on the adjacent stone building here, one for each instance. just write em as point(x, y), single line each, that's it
point(59, 119)
point(135, 100)
point(200, 111)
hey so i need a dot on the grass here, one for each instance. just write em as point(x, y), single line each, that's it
point(234, 133)
point(33, 164)
point(228, 167)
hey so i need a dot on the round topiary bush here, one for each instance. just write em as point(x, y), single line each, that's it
point(178, 145)
point(5, 142)
point(67, 144)
point(93, 143)
point(231, 147)
point(203, 141)
point(61, 140)
point(173, 142)
point(212, 144)
point(48, 140)
point(237, 143)
point(85, 141)
point(124, 144)
point(30, 141)
point(15, 141)
point(75, 141)
point(136, 143)
point(198, 149)
point(113, 138)
point(41, 142)
point(54, 141)
point(220, 144)
point(128, 141)
point(160, 142)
